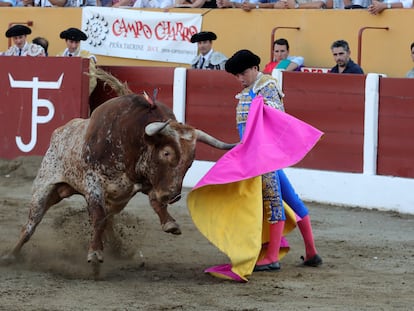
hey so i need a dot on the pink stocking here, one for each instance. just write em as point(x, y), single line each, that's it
point(275, 236)
point(305, 228)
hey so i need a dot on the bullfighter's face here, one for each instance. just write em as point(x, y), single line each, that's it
point(204, 46)
point(19, 41)
point(248, 76)
point(72, 45)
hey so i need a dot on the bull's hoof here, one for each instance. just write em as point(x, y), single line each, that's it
point(171, 227)
point(7, 259)
point(95, 256)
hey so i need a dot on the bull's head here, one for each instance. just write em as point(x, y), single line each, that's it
point(173, 154)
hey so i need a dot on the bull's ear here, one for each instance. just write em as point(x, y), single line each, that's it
point(155, 127)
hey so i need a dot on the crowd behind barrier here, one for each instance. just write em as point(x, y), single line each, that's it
point(373, 7)
point(207, 59)
point(301, 39)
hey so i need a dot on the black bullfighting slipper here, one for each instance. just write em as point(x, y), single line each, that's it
point(315, 261)
point(274, 266)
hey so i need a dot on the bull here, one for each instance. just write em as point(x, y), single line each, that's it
point(129, 144)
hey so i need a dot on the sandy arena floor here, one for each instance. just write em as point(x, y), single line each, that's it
point(368, 261)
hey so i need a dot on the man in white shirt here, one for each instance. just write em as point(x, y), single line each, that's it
point(378, 6)
point(59, 3)
point(154, 4)
point(8, 3)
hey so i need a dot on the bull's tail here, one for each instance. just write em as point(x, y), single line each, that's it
point(120, 88)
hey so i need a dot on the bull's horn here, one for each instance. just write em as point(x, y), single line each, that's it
point(155, 127)
point(212, 141)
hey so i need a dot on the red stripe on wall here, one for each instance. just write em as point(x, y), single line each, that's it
point(396, 128)
point(333, 103)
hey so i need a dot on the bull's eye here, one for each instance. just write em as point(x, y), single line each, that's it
point(168, 155)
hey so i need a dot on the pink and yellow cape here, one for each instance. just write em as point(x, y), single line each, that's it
point(226, 204)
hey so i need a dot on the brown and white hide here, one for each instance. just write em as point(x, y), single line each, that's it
point(128, 145)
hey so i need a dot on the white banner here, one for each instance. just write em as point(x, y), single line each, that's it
point(129, 33)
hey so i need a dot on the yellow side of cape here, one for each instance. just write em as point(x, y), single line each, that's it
point(231, 217)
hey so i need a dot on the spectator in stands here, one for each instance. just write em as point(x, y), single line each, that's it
point(6, 3)
point(122, 3)
point(256, 4)
point(161, 4)
point(73, 37)
point(21, 47)
point(356, 4)
point(378, 6)
point(196, 4)
point(275, 4)
point(59, 3)
point(208, 58)
point(265, 4)
point(42, 42)
point(410, 74)
point(222, 4)
point(342, 56)
point(312, 4)
point(21, 3)
point(281, 58)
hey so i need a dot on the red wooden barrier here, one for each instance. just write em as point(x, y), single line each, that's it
point(396, 128)
point(334, 104)
point(139, 79)
point(37, 95)
point(211, 107)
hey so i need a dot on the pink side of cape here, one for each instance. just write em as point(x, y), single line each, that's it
point(272, 140)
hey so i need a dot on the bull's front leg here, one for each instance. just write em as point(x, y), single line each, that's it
point(168, 223)
point(98, 221)
point(43, 198)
